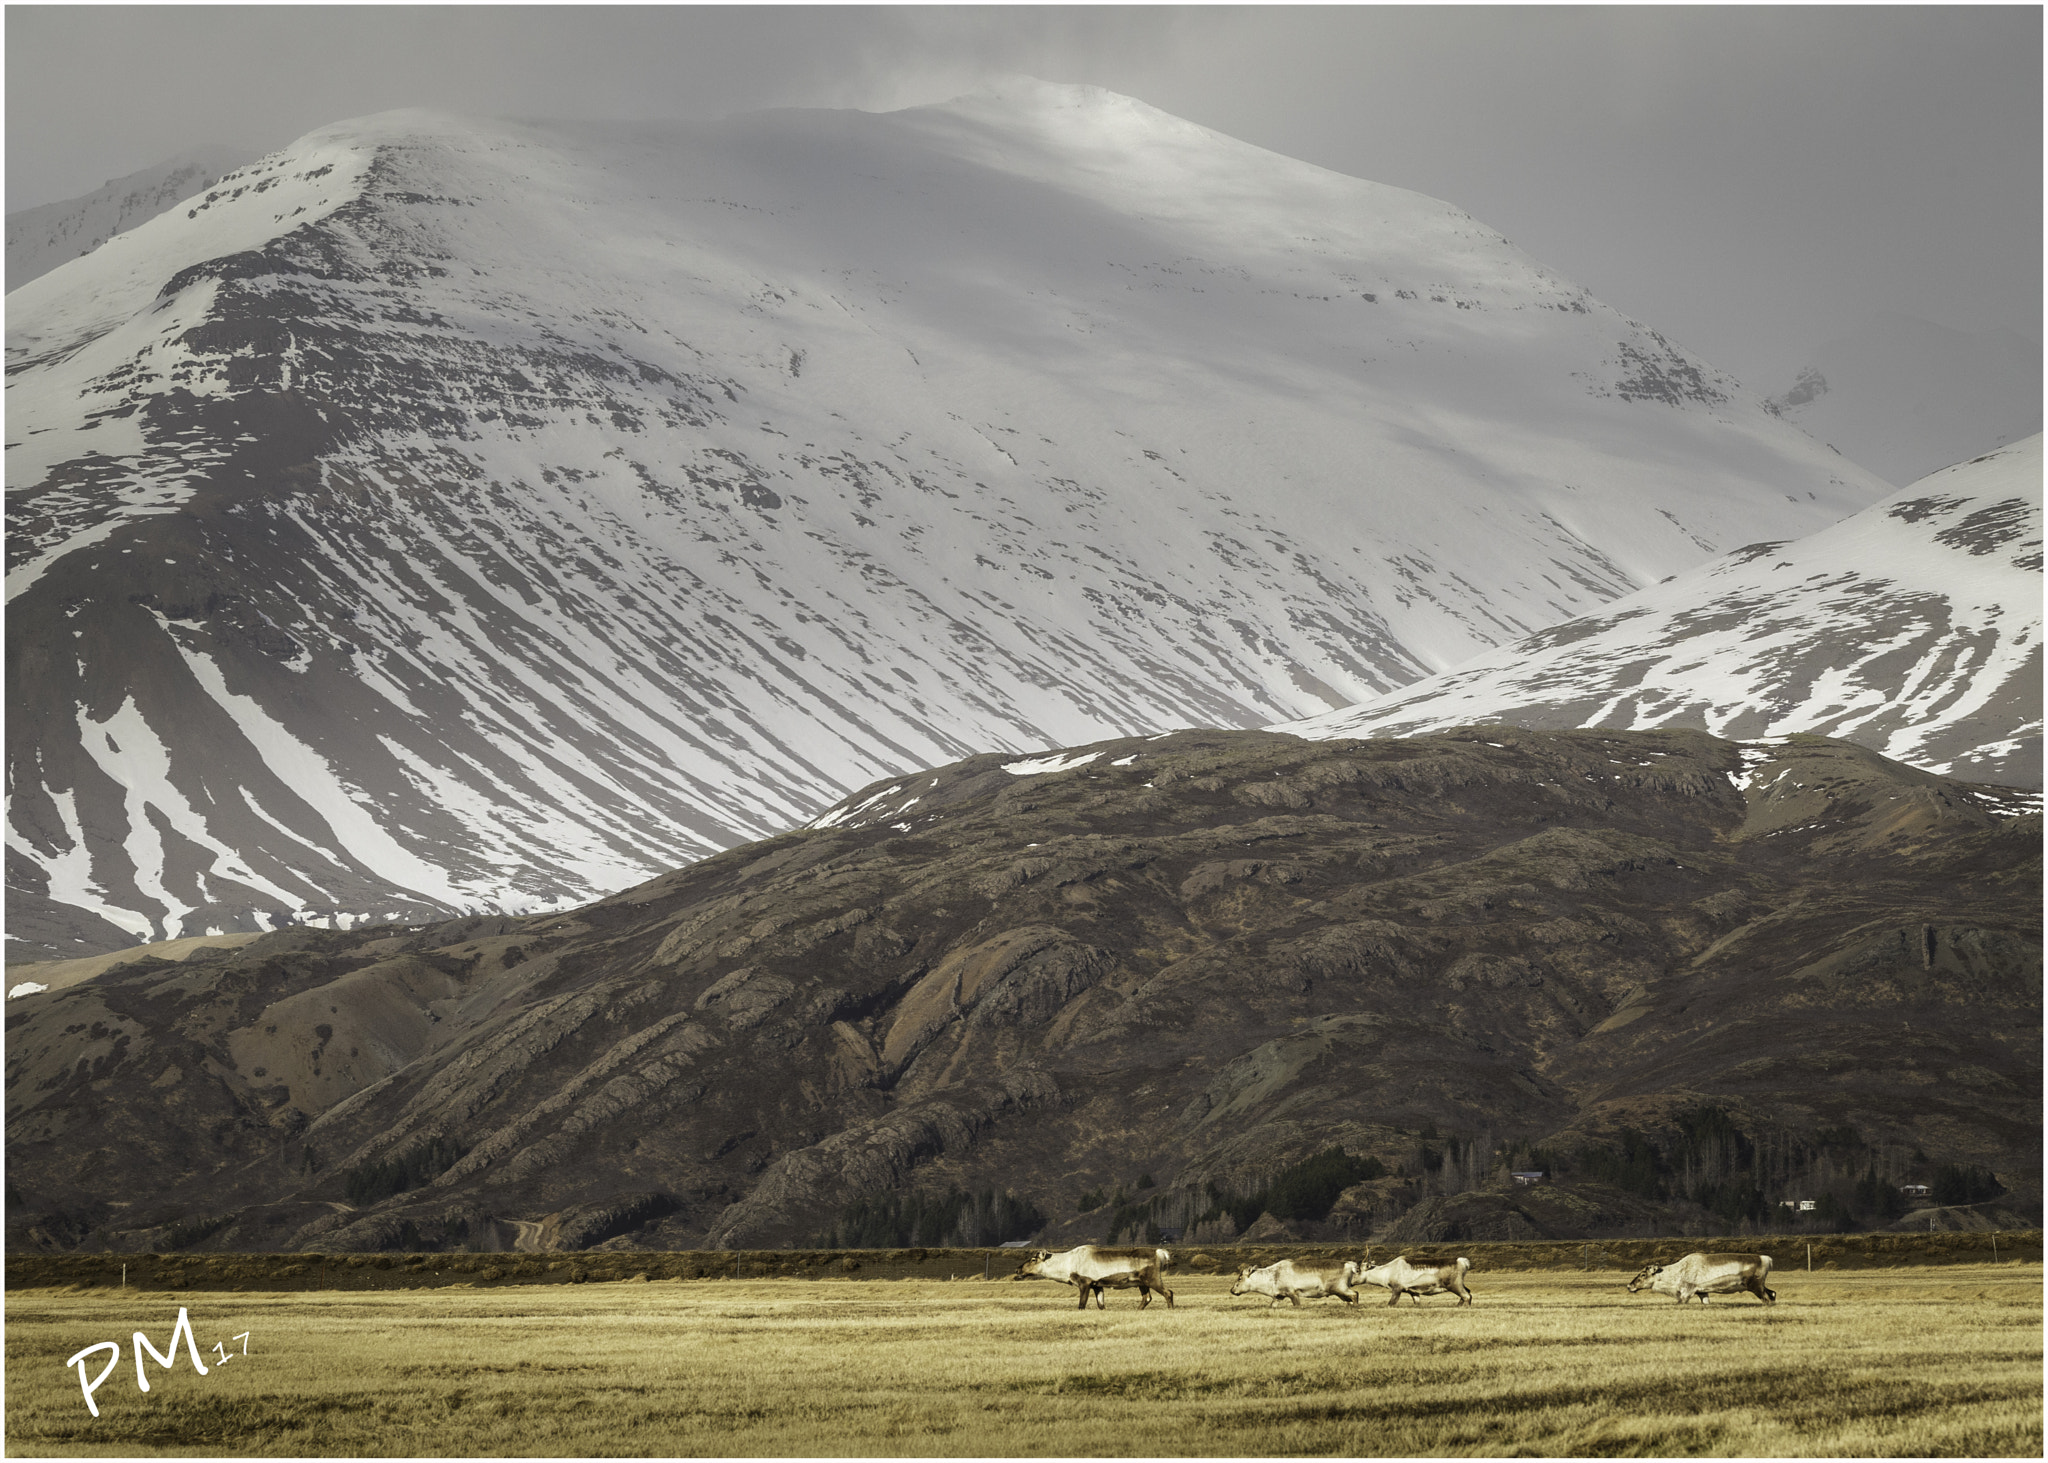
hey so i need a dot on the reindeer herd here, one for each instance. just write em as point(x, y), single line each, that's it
point(1092, 1269)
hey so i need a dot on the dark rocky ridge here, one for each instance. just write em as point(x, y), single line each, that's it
point(1198, 956)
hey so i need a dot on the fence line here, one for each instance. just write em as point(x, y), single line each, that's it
point(386, 1271)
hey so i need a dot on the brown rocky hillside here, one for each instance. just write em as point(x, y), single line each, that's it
point(1197, 957)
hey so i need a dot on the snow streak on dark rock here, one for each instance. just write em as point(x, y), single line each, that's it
point(443, 516)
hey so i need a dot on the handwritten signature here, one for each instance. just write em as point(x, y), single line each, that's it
point(164, 1358)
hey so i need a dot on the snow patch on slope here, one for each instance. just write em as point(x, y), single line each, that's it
point(585, 498)
point(1913, 627)
point(1057, 762)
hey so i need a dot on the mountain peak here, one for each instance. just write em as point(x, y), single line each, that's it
point(1903, 396)
point(1096, 107)
point(448, 515)
point(1912, 627)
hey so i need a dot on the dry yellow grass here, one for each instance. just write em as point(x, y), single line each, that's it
point(1943, 1361)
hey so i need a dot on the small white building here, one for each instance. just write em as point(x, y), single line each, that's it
point(1529, 1178)
point(1798, 1206)
point(1914, 1191)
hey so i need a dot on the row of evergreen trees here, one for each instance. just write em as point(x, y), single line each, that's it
point(1453, 1165)
point(1736, 1177)
point(1741, 1179)
point(1302, 1191)
point(918, 1220)
point(1305, 1190)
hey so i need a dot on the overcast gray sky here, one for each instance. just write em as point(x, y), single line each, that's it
point(1749, 180)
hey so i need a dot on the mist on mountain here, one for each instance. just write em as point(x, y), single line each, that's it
point(447, 516)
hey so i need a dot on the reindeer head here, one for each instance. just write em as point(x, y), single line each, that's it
point(1645, 1277)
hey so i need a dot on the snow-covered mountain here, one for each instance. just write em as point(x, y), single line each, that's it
point(446, 514)
point(1904, 397)
point(1913, 628)
point(41, 238)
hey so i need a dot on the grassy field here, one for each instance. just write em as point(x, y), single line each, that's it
point(1942, 1361)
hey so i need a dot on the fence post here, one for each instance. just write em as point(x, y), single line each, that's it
point(1809, 1259)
